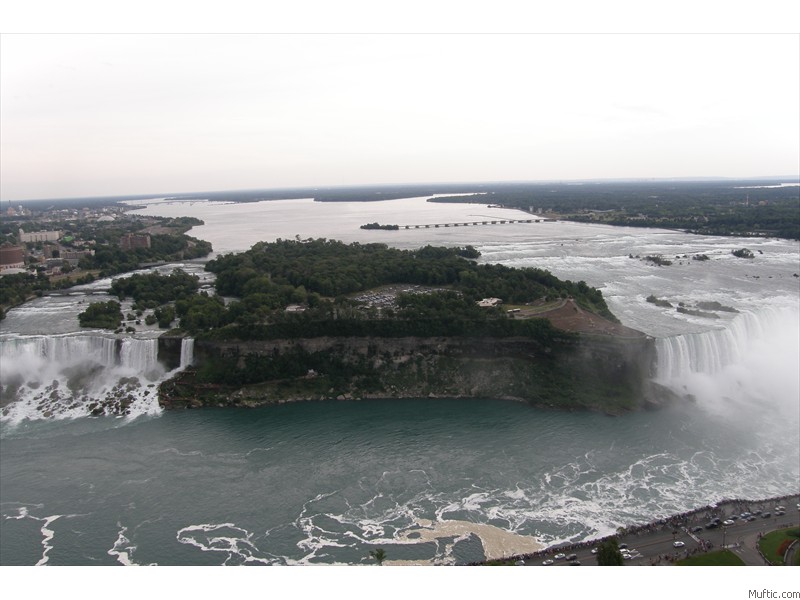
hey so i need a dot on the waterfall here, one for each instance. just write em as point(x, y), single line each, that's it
point(752, 361)
point(71, 376)
point(187, 352)
point(61, 349)
point(708, 352)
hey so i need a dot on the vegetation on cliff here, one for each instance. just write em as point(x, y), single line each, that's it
point(565, 371)
point(320, 273)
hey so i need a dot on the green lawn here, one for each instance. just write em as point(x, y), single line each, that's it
point(720, 558)
point(771, 543)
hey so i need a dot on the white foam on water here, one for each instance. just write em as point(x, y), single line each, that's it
point(122, 548)
point(226, 538)
point(47, 537)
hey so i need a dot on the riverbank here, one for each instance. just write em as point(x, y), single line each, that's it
point(654, 542)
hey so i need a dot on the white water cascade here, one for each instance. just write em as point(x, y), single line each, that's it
point(751, 362)
point(187, 352)
point(71, 376)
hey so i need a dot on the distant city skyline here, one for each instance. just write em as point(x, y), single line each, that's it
point(136, 114)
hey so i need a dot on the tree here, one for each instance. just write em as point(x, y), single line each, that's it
point(379, 555)
point(608, 554)
point(102, 315)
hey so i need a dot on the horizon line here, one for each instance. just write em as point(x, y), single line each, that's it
point(133, 196)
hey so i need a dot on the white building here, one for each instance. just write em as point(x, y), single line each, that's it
point(489, 302)
point(39, 236)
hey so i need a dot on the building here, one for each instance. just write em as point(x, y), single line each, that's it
point(489, 302)
point(11, 257)
point(131, 241)
point(38, 236)
point(73, 257)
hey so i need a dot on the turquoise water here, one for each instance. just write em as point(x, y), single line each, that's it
point(325, 483)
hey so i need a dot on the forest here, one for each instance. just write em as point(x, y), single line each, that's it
point(320, 278)
point(741, 208)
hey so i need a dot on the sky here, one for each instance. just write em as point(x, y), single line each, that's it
point(138, 113)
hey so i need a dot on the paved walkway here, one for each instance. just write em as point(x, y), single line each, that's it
point(748, 551)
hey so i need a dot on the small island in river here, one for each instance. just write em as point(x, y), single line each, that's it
point(320, 319)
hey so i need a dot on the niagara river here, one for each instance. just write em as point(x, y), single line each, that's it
point(429, 481)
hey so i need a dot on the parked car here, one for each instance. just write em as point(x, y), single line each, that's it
point(728, 522)
point(560, 555)
point(547, 562)
point(678, 544)
point(572, 557)
point(697, 529)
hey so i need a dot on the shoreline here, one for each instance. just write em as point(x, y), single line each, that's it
point(663, 525)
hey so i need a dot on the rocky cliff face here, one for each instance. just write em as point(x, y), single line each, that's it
point(573, 371)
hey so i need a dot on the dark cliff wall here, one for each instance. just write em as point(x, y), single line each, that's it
point(169, 351)
point(574, 371)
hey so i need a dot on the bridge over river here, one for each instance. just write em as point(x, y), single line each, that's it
point(472, 223)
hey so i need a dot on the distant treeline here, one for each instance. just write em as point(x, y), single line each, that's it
point(707, 207)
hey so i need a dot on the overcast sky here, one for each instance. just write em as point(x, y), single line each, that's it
point(88, 115)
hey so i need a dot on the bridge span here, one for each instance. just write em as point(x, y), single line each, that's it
point(473, 223)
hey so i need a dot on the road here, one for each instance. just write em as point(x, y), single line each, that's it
point(654, 545)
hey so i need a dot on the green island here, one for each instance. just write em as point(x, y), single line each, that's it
point(101, 315)
point(379, 226)
point(319, 319)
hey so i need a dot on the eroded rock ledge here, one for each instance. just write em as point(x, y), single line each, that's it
point(574, 371)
